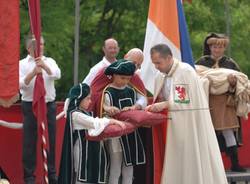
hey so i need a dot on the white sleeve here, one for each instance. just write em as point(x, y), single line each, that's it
point(92, 73)
point(90, 77)
point(23, 72)
point(66, 106)
point(141, 100)
point(55, 70)
point(22, 76)
point(95, 126)
point(107, 101)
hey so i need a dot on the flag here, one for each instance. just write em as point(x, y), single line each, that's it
point(9, 52)
point(166, 24)
point(39, 104)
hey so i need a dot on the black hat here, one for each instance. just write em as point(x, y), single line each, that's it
point(121, 67)
point(214, 38)
point(77, 93)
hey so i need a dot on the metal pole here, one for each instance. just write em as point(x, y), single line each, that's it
point(228, 25)
point(76, 47)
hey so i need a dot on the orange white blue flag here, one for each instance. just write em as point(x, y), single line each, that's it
point(166, 24)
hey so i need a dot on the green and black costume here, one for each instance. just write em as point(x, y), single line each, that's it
point(132, 147)
point(92, 156)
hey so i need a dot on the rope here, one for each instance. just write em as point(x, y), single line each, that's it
point(19, 125)
point(12, 125)
point(45, 157)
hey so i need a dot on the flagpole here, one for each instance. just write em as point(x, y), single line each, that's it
point(76, 47)
point(38, 104)
point(228, 24)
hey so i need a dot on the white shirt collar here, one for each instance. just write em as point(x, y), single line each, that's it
point(30, 58)
point(104, 59)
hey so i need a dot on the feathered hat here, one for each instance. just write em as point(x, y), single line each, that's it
point(214, 38)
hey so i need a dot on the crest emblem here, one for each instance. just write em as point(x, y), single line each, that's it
point(181, 93)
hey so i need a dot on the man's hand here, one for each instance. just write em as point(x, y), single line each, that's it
point(157, 107)
point(37, 70)
point(40, 63)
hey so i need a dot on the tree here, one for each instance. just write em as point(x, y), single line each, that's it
point(126, 21)
point(209, 16)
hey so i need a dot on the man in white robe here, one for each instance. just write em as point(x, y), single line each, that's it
point(191, 153)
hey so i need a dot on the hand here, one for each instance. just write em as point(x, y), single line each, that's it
point(37, 70)
point(117, 122)
point(127, 108)
point(157, 107)
point(111, 111)
point(39, 62)
point(232, 80)
point(134, 107)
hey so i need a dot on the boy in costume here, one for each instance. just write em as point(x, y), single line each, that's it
point(83, 161)
point(127, 150)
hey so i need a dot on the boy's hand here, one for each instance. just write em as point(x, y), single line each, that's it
point(117, 122)
point(127, 108)
point(134, 107)
point(111, 111)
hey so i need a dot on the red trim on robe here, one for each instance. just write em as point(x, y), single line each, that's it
point(159, 143)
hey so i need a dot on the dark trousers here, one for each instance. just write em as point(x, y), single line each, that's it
point(30, 141)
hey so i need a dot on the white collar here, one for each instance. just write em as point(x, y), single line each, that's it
point(104, 59)
point(30, 58)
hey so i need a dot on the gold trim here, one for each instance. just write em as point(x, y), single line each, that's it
point(139, 91)
point(9, 102)
point(101, 105)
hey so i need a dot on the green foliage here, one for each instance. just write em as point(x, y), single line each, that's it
point(204, 17)
point(126, 21)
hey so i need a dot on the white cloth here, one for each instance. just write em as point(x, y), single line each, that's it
point(26, 65)
point(95, 126)
point(141, 100)
point(95, 69)
point(192, 154)
point(215, 82)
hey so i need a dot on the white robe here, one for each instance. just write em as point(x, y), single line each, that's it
point(192, 154)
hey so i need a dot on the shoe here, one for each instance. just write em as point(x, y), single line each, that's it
point(238, 168)
point(233, 153)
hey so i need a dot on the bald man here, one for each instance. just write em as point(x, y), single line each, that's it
point(111, 50)
point(142, 173)
point(135, 55)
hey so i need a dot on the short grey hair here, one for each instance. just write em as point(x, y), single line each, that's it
point(30, 39)
point(163, 49)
